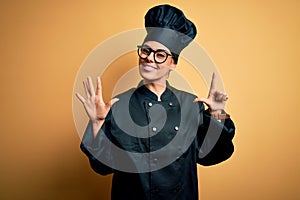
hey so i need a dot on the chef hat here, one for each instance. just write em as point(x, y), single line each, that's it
point(169, 26)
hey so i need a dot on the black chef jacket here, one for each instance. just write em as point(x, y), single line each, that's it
point(203, 140)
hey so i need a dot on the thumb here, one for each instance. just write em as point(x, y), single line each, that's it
point(203, 100)
point(111, 102)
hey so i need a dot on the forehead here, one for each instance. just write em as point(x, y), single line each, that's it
point(156, 45)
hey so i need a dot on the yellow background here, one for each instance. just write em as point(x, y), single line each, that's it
point(255, 45)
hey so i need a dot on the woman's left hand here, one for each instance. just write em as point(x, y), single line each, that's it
point(216, 100)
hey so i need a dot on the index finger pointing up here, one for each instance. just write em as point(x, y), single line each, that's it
point(213, 83)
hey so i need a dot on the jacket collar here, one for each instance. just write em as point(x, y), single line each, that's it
point(166, 95)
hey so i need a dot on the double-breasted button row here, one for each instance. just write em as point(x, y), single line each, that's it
point(154, 129)
point(151, 104)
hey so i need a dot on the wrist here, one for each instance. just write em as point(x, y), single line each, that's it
point(96, 121)
point(218, 114)
point(214, 112)
point(96, 124)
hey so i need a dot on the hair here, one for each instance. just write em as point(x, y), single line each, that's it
point(175, 57)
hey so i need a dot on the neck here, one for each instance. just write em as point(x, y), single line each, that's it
point(156, 88)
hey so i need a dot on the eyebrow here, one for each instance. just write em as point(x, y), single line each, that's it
point(147, 46)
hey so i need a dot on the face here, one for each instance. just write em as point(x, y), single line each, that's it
point(151, 71)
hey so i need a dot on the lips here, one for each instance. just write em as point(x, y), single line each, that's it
point(149, 68)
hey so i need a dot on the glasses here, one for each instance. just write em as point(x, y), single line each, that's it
point(160, 55)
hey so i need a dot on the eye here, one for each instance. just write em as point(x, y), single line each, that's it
point(145, 50)
point(160, 55)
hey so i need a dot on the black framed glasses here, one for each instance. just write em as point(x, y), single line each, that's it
point(160, 55)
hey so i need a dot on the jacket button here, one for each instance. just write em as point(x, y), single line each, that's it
point(154, 129)
point(170, 104)
point(176, 128)
point(150, 104)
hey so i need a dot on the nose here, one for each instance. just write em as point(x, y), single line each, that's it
point(150, 58)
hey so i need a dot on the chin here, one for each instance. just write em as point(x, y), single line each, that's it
point(147, 78)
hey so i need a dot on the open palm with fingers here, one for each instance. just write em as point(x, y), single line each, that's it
point(93, 104)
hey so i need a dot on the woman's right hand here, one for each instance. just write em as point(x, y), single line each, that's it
point(94, 105)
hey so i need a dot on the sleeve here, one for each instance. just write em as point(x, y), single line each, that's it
point(97, 149)
point(214, 139)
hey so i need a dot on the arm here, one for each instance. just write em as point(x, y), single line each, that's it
point(93, 144)
point(214, 140)
point(94, 105)
point(215, 134)
point(91, 147)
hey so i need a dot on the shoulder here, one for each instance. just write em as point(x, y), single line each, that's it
point(126, 93)
point(182, 93)
point(186, 97)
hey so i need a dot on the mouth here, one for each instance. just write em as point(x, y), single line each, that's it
point(149, 68)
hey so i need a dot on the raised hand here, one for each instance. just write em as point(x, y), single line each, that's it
point(94, 105)
point(216, 100)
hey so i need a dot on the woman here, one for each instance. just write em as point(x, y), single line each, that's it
point(152, 137)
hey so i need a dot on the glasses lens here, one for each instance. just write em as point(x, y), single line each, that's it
point(160, 56)
point(144, 52)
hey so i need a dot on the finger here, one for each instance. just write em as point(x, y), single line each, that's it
point(99, 87)
point(225, 97)
point(80, 97)
point(91, 86)
point(203, 100)
point(218, 95)
point(199, 99)
point(215, 115)
point(213, 83)
point(196, 100)
point(112, 102)
point(86, 89)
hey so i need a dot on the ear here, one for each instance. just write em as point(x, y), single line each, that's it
point(172, 65)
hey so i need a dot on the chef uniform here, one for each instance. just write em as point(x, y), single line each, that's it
point(152, 146)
